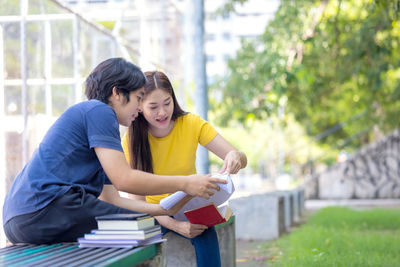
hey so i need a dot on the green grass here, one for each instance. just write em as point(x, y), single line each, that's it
point(342, 237)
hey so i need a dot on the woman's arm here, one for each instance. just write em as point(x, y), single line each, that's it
point(234, 160)
point(111, 195)
point(137, 182)
point(184, 228)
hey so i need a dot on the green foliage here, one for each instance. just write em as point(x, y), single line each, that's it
point(343, 237)
point(262, 142)
point(331, 60)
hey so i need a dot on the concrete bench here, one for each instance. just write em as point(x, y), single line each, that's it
point(287, 206)
point(259, 216)
point(69, 254)
point(178, 251)
point(266, 216)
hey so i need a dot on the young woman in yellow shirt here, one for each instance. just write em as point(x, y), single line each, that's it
point(163, 140)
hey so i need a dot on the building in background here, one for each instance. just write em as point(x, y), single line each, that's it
point(155, 29)
point(224, 33)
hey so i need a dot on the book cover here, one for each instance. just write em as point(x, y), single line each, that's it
point(123, 216)
point(133, 242)
point(122, 243)
point(208, 215)
point(135, 221)
point(107, 246)
point(121, 234)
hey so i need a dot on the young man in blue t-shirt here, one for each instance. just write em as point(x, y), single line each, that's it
point(55, 197)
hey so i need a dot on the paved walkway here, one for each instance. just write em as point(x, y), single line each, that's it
point(357, 203)
point(254, 253)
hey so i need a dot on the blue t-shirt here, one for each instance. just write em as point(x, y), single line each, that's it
point(64, 158)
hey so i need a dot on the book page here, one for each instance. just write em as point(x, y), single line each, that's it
point(219, 197)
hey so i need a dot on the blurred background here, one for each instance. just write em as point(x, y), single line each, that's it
point(299, 86)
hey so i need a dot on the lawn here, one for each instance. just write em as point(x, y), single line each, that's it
point(341, 237)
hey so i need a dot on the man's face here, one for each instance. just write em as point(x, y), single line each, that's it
point(128, 111)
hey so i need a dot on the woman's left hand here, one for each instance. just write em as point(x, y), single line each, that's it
point(232, 162)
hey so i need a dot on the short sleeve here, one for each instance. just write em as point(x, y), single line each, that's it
point(103, 128)
point(207, 132)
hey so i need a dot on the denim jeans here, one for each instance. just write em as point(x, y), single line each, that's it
point(206, 247)
point(64, 220)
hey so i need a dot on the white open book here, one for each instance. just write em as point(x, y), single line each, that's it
point(218, 198)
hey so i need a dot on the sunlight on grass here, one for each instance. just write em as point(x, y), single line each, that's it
point(343, 237)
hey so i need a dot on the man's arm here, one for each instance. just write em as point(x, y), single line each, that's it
point(111, 195)
point(124, 178)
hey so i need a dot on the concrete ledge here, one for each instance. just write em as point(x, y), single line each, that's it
point(296, 205)
point(259, 217)
point(178, 251)
point(302, 200)
point(288, 207)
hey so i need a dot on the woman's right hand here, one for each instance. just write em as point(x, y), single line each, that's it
point(189, 230)
point(202, 185)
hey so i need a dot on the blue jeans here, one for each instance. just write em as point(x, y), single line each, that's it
point(206, 247)
point(63, 220)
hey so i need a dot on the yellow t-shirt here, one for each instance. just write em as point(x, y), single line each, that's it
point(175, 154)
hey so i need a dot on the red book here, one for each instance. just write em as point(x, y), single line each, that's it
point(209, 215)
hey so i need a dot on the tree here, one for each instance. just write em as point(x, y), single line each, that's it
point(335, 62)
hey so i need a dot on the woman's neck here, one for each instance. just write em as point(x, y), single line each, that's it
point(157, 132)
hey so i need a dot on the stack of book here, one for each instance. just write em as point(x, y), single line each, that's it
point(123, 231)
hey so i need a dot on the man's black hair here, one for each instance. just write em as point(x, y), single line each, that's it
point(114, 72)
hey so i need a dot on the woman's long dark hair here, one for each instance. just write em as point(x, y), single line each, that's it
point(139, 146)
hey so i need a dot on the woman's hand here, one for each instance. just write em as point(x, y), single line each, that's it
point(232, 162)
point(189, 230)
point(183, 228)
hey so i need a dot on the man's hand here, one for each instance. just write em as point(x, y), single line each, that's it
point(190, 230)
point(202, 185)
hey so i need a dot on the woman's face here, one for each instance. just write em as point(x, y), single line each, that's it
point(157, 108)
